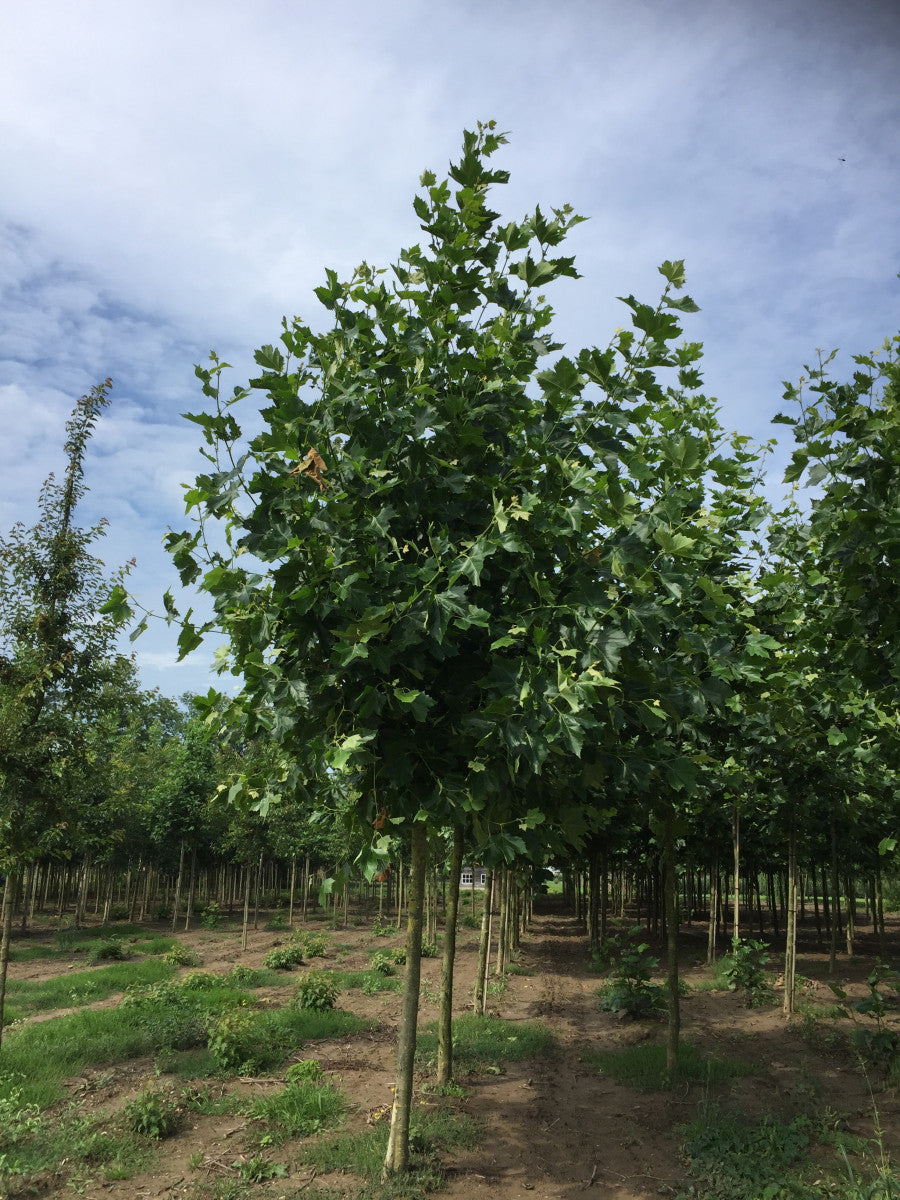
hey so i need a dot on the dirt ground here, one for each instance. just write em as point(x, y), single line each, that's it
point(554, 1126)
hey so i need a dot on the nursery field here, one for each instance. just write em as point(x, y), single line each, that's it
point(142, 1065)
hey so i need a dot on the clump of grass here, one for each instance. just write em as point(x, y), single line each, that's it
point(370, 982)
point(644, 1066)
point(481, 1043)
point(109, 949)
point(303, 1107)
point(431, 1132)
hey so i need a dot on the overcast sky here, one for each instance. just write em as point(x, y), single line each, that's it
point(176, 177)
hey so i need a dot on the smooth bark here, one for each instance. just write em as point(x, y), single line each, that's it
point(670, 901)
point(9, 891)
point(445, 1018)
point(397, 1157)
point(790, 949)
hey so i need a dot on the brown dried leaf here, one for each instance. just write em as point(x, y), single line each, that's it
point(313, 466)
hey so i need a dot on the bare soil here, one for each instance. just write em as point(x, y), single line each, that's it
point(554, 1127)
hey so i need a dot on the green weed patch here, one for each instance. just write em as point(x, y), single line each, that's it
point(82, 987)
point(302, 1108)
point(644, 1066)
point(481, 1043)
point(432, 1132)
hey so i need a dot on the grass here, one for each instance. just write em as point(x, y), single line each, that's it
point(644, 1066)
point(90, 1146)
point(431, 1132)
point(369, 981)
point(31, 953)
point(481, 1043)
point(164, 1017)
point(733, 1158)
point(81, 987)
point(300, 1109)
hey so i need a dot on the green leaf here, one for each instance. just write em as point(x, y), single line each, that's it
point(673, 272)
point(117, 606)
point(341, 754)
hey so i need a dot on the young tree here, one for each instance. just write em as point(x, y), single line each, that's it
point(56, 647)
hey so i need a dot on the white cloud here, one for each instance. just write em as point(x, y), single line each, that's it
point(177, 176)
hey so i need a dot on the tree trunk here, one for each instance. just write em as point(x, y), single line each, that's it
point(790, 948)
point(736, 843)
point(483, 943)
point(713, 909)
point(81, 902)
point(397, 1157)
point(445, 1018)
point(835, 903)
point(178, 885)
point(259, 873)
point(879, 910)
point(293, 886)
point(246, 923)
point(850, 892)
point(593, 901)
point(9, 891)
point(670, 901)
point(191, 888)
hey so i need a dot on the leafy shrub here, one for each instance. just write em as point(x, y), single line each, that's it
point(430, 949)
point(383, 928)
point(316, 945)
point(153, 1114)
point(316, 991)
point(878, 1044)
point(241, 976)
point(398, 955)
point(109, 949)
point(743, 969)
point(470, 922)
point(277, 921)
point(211, 916)
point(119, 912)
point(180, 956)
point(163, 913)
point(200, 981)
point(239, 1042)
point(383, 962)
point(18, 1120)
point(628, 989)
point(284, 958)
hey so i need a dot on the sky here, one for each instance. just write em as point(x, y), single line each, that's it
point(177, 177)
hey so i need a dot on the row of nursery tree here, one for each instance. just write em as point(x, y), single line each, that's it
point(530, 606)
